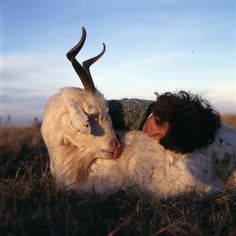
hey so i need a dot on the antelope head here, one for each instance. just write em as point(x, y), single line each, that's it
point(92, 118)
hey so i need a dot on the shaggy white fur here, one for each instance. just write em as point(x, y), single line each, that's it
point(79, 136)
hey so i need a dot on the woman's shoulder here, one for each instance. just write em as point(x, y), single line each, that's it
point(129, 113)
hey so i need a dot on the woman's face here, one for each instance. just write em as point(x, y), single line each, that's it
point(155, 130)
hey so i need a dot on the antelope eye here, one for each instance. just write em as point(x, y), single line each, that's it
point(94, 116)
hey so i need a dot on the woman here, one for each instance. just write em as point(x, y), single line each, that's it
point(182, 122)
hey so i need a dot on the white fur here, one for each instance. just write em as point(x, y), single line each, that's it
point(80, 153)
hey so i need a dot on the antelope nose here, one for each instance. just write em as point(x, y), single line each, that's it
point(114, 142)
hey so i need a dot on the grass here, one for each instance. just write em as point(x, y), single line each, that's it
point(31, 205)
point(230, 119)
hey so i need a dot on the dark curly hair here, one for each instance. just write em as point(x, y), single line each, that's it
point(193, 122)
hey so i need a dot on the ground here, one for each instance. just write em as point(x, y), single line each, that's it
point(30, 204)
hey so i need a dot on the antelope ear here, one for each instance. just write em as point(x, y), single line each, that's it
point(63, 141)
point(79, 119)
point(83, 168)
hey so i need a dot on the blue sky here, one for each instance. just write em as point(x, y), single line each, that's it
point(152, 45)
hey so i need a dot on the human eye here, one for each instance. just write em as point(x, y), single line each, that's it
point(157, 120)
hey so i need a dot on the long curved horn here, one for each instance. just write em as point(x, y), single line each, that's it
point(83, 74)
point(89, 62)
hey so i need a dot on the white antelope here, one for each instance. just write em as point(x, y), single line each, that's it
point(86, 156)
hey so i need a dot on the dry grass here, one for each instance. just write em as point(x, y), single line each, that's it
point(31, 205)
point(230, 119)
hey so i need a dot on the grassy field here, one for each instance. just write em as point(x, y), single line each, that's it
point(31, 205)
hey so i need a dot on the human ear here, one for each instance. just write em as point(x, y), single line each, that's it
point(164, 128)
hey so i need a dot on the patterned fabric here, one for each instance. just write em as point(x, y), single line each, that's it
point(128, 114)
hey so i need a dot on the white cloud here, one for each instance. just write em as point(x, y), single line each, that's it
point(28, 80)
point(29, 66)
